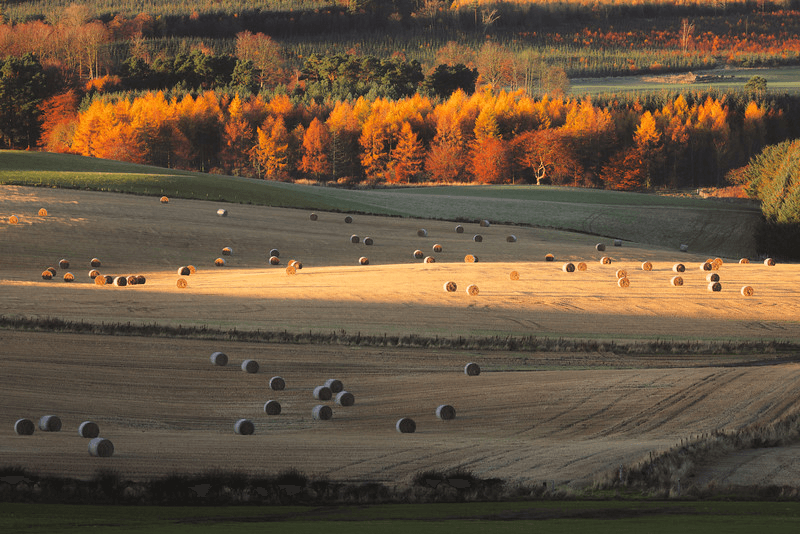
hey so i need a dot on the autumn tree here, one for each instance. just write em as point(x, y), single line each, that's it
point(237, 139)
point(647, 140)
point(407, 156)
point(59, 117)
point(546, 156)
point(344, 129)
point(496, 66)
point(272, 149)
point(265, 55)
point(316, 151)
point(624, 171)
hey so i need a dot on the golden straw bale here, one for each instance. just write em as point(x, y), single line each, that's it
point(164, 200)
point(430, 259)
point(274, 260)
point(450, 287)
point(42, 212)
point(291, 269)
point(706, 266)
point(744, 261)
point(192, 269)
point(769, 262)
point(470, 258)
point(182, 283)
point(549, 257)
point(140, 279)
point(472, 290)
point(622, 273)
point(95, 263)
point(47, 275)
point(623, 282)
point(94, 274)
point(647, 266)
point(227, 251)
point(568, 267)
point(678, 268)
point(605, 260)
point(132, 280)
point(13, 219)
point(582, 266)
point(184, 271)
point(363, 260)
point(715, 286)
point(747, 291)
point(219, 262)
point(437, 247)
point(712, 277)
point(52, 270)
point(100, 280)
point(514, 275)
point(69, 277)
point(418, 254)
point(676, 281)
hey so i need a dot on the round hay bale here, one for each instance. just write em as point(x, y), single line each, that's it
point(605, 260)
point(121, 281)
point(109, 279)
point(101, 448)
point(219, 359)
point(182, 283)
point(323, 393)
point(706, 266)
point(24, 427)
point(50, 423)
point(471, 258)
point(712, 277)
point(437, 247)
point(568, 267)
point(88, 429)
point(345, 398)
point(418, 254)
point(354, 239)
point(582, 266)
point(13, 219)
point(69, 277)
point(94, 263)
point(274, 260)
point(244, 427)
point(600, 247)
point(334, 385)
point(164, 200)
point(549, 257)
point(322, 413)
point(744, 261)
point(684, 248)
point(406, 425)
point(459, 229)
point(227, 251)
point(222, 212)
point(363, 260)
point(618, 242)
point(623, 282)
point(272, 407)
point(132, 280)
point(140, 279)
point(445, 412)
point(429, 259)
point(348, 219)
point(478, 238)
point(769, 262)
point(47, 275)
point(676, 281)
point(276, 383)
point(485, 224)
point(291, 269)
point(472, 369)
point(472, 290)
point(313, 217)
point(511, 238)
point(622, 273)
point(94, 274)
point(219, 262)
point(192, 269)
point(296, 264)
point(678, 268)
point(52, 270)
point(715, 286)
point(63, 264)
point(514, 275)
point(422, 232)
point(747, 291)
point(42, 212)
point(450, 287)
point(250, 366)
point(368, 241)
point(275, 252)
point(647, 266)
point(184, 271)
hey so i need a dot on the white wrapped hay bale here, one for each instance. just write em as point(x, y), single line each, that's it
point(88, 429)
point(101, 448)
point(321, 412)
point(244, 427)
point(272, 407)
point(50, 423)
point(446, 412)
point(472, 369)
point(24, 427)
point(345, 398)
point(406, 425)
point(250, 366)
point(323, 393)
point(222, 212)
point(276, 383)
point(219, 358)
point(334, 385)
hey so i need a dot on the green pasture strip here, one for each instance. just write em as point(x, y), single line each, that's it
point(554, 516)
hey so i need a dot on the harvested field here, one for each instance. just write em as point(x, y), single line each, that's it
point(165, 408)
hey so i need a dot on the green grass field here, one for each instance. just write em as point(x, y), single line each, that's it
point(712, 226)
point(554, 516)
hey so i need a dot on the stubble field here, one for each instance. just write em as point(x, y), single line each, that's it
point(529, 416)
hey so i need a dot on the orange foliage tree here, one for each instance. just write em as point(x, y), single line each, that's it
point(316, 150)
point(407, 156)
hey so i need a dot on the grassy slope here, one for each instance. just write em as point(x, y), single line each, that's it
point(714, 227)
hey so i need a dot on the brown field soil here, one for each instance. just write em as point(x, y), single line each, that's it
point(528, 417)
